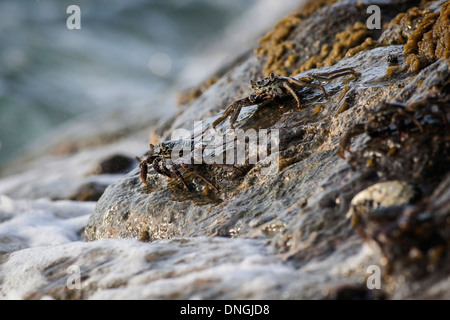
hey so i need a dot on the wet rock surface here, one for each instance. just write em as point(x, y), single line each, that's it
point(362, 179)
point(192, 268)
point(301, 210)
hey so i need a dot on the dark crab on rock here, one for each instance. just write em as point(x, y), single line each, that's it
point(167, 158)
point(274, 87)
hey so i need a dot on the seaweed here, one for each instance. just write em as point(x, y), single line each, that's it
point(347, 43)
point(274, 44)
point(189, 95)
point(425, 35)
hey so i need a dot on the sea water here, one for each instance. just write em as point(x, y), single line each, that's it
point(125, 52)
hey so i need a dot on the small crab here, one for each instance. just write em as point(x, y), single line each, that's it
point(388, 117)
point(167, 159)
point(274, 87)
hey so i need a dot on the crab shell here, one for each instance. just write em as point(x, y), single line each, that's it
point(268, 87)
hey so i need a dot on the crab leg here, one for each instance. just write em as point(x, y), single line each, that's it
point(234, 116)
point(327, 76)
point(292, 92)
point(162, 169)
point(346, 139)
point(188, 168)
point(227, 112)
point(234, 109)
point(144, 171)
point(414, 120)
point(231, 166)
point(180, 176)
point(301, 83)
point(406, 111)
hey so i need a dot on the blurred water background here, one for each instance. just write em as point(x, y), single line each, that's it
point(126, 53)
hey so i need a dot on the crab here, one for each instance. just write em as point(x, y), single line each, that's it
point(166, 159)
point(274, 87)
point(389, 117)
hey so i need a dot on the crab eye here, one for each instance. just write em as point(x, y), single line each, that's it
point(262, 82)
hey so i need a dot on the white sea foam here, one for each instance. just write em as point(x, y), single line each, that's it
point(28, 223)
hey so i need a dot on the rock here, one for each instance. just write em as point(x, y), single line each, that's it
point(115, 164)
point(379, 197)
point(91, 191)
point(301, 209)
point(64, 177)
point(166, 269)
